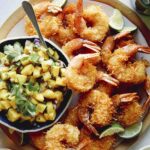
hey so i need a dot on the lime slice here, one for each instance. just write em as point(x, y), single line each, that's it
point(116, 21)
point(59, 3)
point(115, 128)
point(130, 29)
point(131, 131)
point(145, 148)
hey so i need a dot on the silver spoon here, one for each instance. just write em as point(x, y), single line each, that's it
point(30, 13)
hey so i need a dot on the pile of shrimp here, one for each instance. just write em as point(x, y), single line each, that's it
point(66, 24)
point(103, 70)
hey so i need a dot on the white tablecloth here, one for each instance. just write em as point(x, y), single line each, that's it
point(8, 6)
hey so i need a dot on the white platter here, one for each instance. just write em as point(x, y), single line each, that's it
point(17, 29)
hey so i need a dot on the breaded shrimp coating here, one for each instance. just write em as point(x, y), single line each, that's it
point(101, 105)
point(61, 137)
point(72, 117)
point(105, 143)
point(130, 113)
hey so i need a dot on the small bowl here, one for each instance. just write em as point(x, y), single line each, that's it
point(26, 127)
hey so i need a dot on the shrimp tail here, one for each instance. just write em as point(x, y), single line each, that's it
point(84, 117)
point(107, 78)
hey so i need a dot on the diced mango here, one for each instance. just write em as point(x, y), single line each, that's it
point(40, 108)
point(13, 115)
point(40, 118)
point(3, 85)
point(49, 94)
point(5, 104)
point(60, 81)
point(58, 96)
point(46, 76)
point(4, 76)
point(39, 97)
point(52, 84)
point(27, 70)
point(55, 71)
point(21, 78)
point(37, 72)
point(45, 66)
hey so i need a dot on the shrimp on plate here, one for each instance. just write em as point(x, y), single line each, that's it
point(48, 23)
point(106, 143)
point(64, 137)
point(95, 18)
point(76, 44)
point(72, 117)
point(81, 74)
point(66, 25)
point(119, 65)
point(130, 111)
point(102, 109)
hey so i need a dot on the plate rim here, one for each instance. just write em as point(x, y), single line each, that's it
point(7, 25)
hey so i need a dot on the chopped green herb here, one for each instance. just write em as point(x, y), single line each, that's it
point(34, 57)
point(23, 104)
point(33, 87)
point(13, 51)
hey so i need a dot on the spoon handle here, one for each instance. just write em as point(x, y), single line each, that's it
point(30, 13)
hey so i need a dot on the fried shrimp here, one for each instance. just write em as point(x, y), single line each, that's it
point(105, 143)
point(119, 65)
point(74, 45)
point(66, 25)
point(129, 110)
point(94, 16)
point(130, 113)
point(102, 110)
point(72, 117)
point(61, 137)
point(81, 74)
point(48, 23)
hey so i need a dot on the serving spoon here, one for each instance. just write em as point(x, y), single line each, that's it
point(30, 13)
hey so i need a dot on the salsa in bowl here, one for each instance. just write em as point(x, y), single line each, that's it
point(33, 93)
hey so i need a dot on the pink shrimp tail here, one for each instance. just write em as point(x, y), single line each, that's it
point(132, 49)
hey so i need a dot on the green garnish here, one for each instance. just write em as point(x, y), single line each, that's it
point(13, 51)
point(33, 87)
point(23, 104)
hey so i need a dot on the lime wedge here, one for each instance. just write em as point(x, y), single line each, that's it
point(131, 131)
point(116, 21)
point(59, 3)
point(130, 29)
point(115, 128)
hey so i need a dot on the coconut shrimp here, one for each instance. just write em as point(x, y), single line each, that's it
point(102, 110)
point(48, 23)
point(66, 25)
point(105, 87)
point(76, 44)
point(62, 136)
point(95, 18)
point(118, 63)
point(105, 143)
point(130, 111)
point(81, 73)
point(72, 117)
